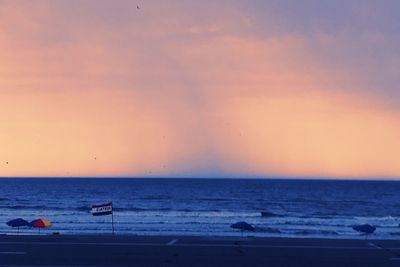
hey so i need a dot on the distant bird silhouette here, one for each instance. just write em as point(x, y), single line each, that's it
point(137, 7)
point(6, 162)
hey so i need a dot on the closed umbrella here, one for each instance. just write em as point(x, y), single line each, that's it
point(17, 223)
point(40, 223)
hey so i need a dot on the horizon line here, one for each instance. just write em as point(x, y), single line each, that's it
point(211, 178)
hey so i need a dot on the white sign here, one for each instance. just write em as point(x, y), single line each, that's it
point(104, 209)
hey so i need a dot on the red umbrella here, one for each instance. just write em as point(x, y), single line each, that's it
point(40, 223)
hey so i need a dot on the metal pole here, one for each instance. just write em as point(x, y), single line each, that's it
point(112, 221)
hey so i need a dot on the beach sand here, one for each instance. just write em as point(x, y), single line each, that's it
point(79, 250)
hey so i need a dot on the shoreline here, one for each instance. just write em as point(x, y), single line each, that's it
point(227, 237)
point(222, 236)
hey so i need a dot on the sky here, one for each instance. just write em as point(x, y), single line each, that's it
point(200, 88)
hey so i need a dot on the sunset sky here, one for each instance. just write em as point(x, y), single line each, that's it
point(200, 88)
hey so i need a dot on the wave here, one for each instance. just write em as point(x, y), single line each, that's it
point(88, 208)
point(156, 198)
point(311, 223)
point(214, 199)
point(83, 208)
point(32, 207)
point(23, 207)
point(138, 209)
point(270, 230)
point(141, 209)
point(268, 214)
point(324, 215)
point(22, 200)
point(382, 218)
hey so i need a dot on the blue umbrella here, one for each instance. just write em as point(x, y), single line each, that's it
point(17, 223)
point(365, 228)
point(242, 226)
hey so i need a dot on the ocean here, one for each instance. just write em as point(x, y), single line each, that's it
point(165, 206)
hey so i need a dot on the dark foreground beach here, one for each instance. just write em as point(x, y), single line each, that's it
point(194, 251)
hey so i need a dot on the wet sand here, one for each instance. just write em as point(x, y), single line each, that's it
point(78, 250)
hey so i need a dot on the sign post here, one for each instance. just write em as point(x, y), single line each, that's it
point(112, 222)
point(104, 209)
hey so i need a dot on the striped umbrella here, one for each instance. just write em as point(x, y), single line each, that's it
point(40, 223)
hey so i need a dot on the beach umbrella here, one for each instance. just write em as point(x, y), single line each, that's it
point(17, 223)
point(242, 226)
point(364, 228)
point(40, 223)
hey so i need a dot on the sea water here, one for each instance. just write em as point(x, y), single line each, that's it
point(165, 206)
